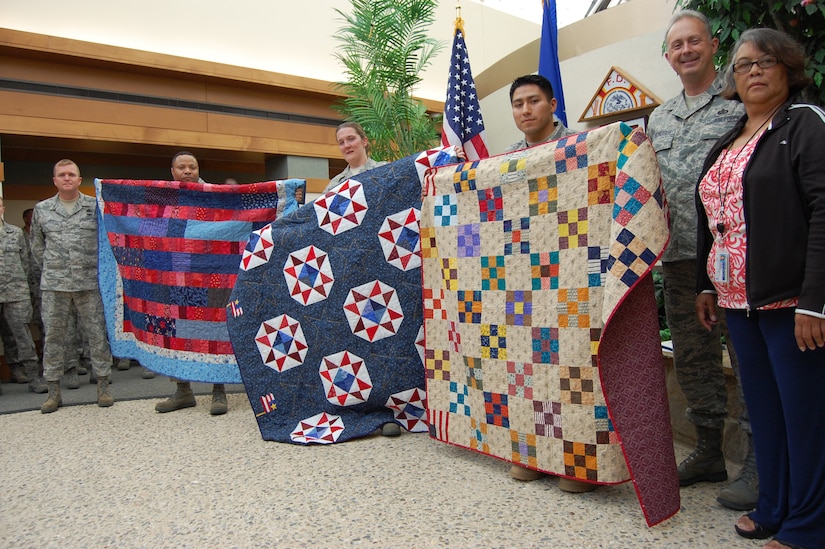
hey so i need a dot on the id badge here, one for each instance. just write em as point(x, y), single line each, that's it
point(721, 266)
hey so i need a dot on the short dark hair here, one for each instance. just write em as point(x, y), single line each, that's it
point(537, 79)
point(693, 14)
point(773, 42)
point(183, 153)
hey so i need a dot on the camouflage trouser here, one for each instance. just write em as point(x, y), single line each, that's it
point(697, 353)
point(56, 308)
point(77, 344)
point(18, 344)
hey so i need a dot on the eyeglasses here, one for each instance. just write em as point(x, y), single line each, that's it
point(744, 65)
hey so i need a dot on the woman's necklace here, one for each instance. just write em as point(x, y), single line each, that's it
point(720, 226)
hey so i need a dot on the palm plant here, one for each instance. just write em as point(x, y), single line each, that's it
point(384, 48)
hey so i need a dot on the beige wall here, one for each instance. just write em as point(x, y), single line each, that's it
point(628, 36)
point(285, 37)
point(274, 35)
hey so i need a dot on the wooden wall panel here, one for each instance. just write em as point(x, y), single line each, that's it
point(93, 111)
point(104, 77)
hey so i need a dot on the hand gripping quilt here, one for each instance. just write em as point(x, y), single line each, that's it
point(168, 257)
point(542, 343)
point(327, 324)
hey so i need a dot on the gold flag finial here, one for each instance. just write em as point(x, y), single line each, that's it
point(458, 21)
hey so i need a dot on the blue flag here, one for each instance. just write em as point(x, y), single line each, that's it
point(549, 56)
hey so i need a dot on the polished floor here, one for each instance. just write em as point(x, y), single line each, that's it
point(127, 477)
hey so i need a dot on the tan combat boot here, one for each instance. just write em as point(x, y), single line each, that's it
point(36, 383)
point(104, 397)
point(183, 398)
point(54, 401)
point(219, 406)
point(18, 374)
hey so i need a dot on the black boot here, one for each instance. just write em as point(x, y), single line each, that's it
point(707, 462)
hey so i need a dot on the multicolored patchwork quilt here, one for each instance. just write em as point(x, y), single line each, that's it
point(168, 257)
point(542, 344)
point(326, 312)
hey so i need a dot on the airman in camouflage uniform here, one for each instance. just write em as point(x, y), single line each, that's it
point(534, 105)
point(64, 246)
point(682, 131)
point(15, 305)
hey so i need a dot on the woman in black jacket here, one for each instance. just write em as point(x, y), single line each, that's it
point(761, 203)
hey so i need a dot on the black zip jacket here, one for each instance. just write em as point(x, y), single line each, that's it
point(784, 208)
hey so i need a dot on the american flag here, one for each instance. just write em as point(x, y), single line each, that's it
point(463, 125)
point(268, 402)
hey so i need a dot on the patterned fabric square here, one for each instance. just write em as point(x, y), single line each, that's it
point(544, 269)
point(494, 341)
point(573, 229)
point(574, 308)
point(308, 274)
point(580, 460)
point(493, 273)
point(631, 196)
point(475, 374)
point(429, 248)
point(605, 433)
point(596, 265)
point(469, 240)
point(341, 209)
point(496, 409)
point(459, 399)
point(600, 180)
point(517, 236)
point(512, 169)
point(449, 273)
point(464, 179)
point(400, 240)
point(520, 379)
point(545, 345)
point(519, 308)
point(445, 210)
point(434, 305)
point(454, 336)
point(409, 408)
point(571, 153)
point(490, 205)
point(595, 339)
point(548, 419)
point(469, 306)
point(480, 438)
point(345, 378)
point(523, 448)
point(321, 428)
point(437, 364)
point(373, 311)
point(576, 384)
point(543, 195)
point(281, 343)
point(258, 249)
point(633, 260)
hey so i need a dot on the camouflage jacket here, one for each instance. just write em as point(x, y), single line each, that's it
point(560, 131)
point(349, 172)
point(15, 264)
point(64, 245)
point(682, 138)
